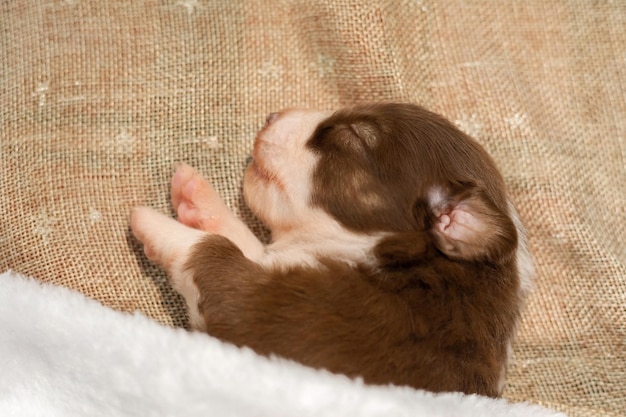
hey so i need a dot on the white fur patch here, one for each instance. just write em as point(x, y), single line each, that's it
point(525, 264)
point(436, 198)
point(321, 237)
point(277, 184)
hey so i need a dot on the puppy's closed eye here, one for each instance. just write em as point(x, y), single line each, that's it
point(347, 141)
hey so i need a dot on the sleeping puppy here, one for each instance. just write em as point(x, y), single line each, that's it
point(396, 255)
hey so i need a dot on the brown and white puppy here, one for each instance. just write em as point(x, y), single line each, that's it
point(396, 255)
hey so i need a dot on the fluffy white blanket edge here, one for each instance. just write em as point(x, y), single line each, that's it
point(62, 354)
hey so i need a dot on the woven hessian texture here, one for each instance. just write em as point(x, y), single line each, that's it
point(98, 100)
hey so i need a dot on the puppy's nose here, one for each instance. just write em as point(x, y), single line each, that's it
point(270, 118)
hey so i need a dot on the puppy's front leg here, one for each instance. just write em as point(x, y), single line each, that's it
point(168, 243)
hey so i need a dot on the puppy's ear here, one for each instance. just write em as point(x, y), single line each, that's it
point(466, 224)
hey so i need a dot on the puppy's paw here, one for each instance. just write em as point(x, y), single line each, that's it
point(196, 202)
point(199, 206)
point(166, 241)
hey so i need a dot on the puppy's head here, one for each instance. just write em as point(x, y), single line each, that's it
point(394, 168)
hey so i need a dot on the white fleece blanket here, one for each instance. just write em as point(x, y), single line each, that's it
point(62, 354)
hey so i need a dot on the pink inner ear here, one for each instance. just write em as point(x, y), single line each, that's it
point(466, 225)
point(460, 224)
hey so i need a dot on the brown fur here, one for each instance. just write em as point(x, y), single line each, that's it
point(424, 315)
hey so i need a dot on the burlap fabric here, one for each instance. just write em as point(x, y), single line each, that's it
point(98, 100)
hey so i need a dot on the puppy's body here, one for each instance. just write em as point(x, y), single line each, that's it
point(396, 255)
